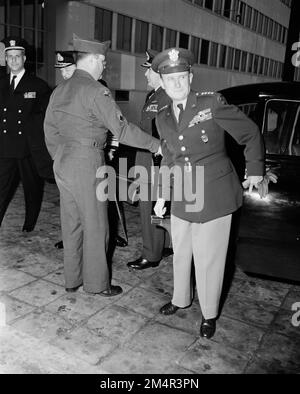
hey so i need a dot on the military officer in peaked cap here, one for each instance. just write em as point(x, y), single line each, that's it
point(80, 112)
point(66, 63)
point(193, 126)
point(152, 235)
point(23, 154)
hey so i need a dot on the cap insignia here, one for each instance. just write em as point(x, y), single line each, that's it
point(60, 58)
point(173, 55)
point(12, 43)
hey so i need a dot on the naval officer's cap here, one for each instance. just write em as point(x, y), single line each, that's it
point(14, 43)
point(64, 59)
point(173, 60)
point(90, 46)
point(150, 56)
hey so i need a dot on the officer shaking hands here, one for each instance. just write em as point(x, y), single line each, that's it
point(193, 126)
point(80, 112)
point(23, 153)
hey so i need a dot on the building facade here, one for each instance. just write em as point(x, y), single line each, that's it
point(234, 42)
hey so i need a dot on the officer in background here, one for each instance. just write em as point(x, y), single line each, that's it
point(193, 126)
point(23, 154)
point(154, 237)
point(65, 62)
point(80, 112)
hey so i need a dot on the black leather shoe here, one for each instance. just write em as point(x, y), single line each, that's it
point(59, 245)
point(169, 309)
point(167, 252)
point(208, 328)
point(112, 291)
point(141, 264)
point(120, 242)
point(72, 289)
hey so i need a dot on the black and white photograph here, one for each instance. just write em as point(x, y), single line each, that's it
point(149, 190)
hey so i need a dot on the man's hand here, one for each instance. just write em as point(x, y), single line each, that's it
point(159, 207)
point(252, 181)
point(263, 187)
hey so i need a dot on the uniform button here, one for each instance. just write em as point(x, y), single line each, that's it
point(4, 120)
point(183, 148)
point(4, 131)
point(19, 122)
point(180, 137)
point(186, 159)
point(203, 131)
point(20, 111)
point(20, 132)
point(4, 109)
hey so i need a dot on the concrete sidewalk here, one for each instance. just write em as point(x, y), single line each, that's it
point(50, 331)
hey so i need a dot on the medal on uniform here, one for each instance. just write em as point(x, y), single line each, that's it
point(204, 138)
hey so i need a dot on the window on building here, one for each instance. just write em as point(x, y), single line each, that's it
point(261, 65)
point(222, 56)
point(3, 11)
point(260, 23)
point(271, 66)
point(195, 43)
point(124, 33)
point(284, 35)
point(255, 64)
point(275, 31)
point(229, 62)
point(248, 16)
point(266, 26)
point(204, 52)
point(271, 26)
point(244, 61)
point(29, 13)
point(234, 11)
point(254, 20)
point(208, 4)
point(183, 40)
point(170, 38)
point(242, 12)
point(279, 35)
point(227, 8)
point(213, 54)
point(141, 36)
point(250, 63)
point(275, 67)
point(218, 9)
point(103, 24)
point(15, 15)
point(266, 70)
point(237, 59)
point(157, 37)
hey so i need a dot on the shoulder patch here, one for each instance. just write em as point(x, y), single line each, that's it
point(106, 93)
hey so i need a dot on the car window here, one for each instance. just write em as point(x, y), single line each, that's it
point(249, 109)
point(281, 127)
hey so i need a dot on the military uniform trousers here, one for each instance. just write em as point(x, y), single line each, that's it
point(85, 229)
point(11, 171)
point(207, 243)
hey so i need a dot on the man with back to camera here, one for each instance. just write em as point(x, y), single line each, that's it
point(193, 126)
point(154, 237)
point(80, 112)
point(23, 154)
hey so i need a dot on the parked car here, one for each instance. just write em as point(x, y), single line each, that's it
point(268, 241)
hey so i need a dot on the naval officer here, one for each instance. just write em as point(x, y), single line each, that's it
point(193, 126)
point(23, 153)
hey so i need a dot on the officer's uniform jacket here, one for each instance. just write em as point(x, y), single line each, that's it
point(21, 121)
point(198, 140)
point(155, 100)
point(69, 118)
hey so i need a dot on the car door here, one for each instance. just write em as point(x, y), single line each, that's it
point(270, 228)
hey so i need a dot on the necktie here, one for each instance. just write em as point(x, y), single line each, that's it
point(12, 84)
point(180, 106)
